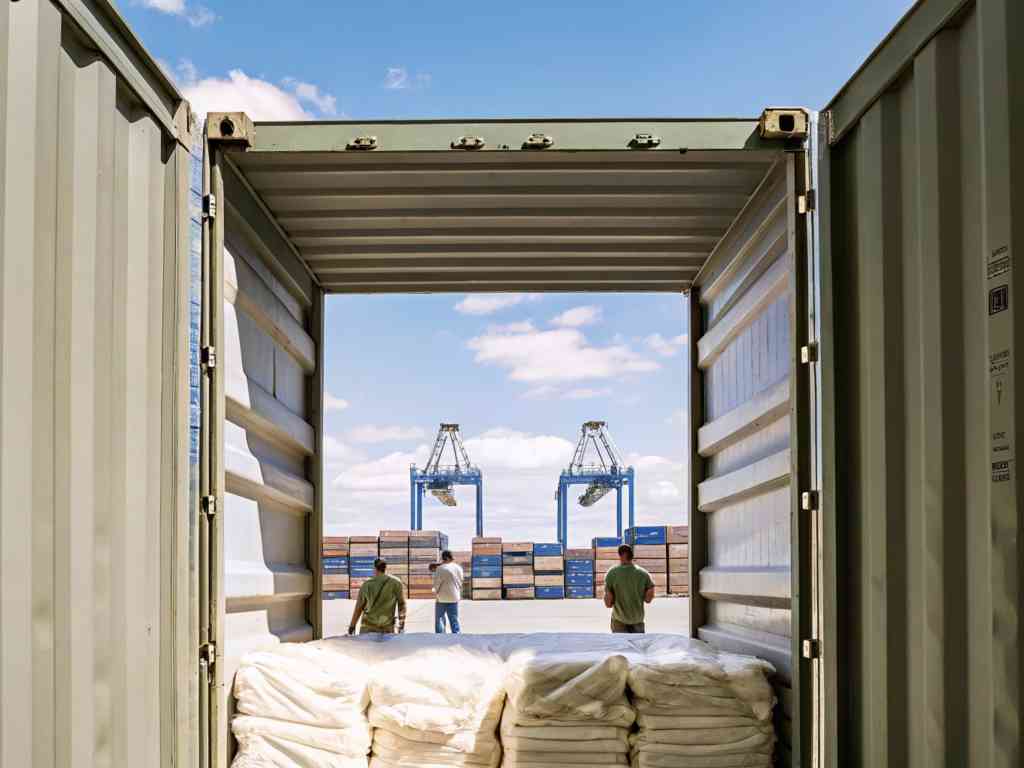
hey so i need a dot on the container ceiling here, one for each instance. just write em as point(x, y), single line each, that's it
point(589, 214)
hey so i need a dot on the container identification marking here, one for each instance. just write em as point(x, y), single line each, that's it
point(998, 271)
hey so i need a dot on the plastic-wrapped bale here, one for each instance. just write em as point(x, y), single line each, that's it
point(566, 708)
point(301, 706)
point(438, 705)
point(699, 708)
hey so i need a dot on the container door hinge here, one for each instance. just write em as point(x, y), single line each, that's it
point(809, 353)
point(210, 505)
point(207, 658)
point(809, 501)
point(811, 649)
point(209, 206)
point(807, 202)
point(208, 358)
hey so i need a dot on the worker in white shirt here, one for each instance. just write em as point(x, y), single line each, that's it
point(448, 589)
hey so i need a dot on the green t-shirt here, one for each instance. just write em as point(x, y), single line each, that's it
point(379, 596)
point(628, 583)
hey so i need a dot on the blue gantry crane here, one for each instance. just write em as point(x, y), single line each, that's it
point(441, 478)
point(601, 476)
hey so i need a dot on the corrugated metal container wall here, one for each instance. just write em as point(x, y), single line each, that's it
point(96, 650)
point(741, 556)
point(271, 359)
point(926, 199)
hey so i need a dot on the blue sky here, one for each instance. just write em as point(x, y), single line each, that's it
point(519, 373)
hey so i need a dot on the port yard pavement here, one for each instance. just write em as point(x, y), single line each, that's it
point(667, 614)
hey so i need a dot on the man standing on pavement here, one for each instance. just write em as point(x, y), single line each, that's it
point(378, 599)
point(626, 588)
point(448, 589)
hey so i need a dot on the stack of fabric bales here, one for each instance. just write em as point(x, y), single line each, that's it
point(606, 557)
point(394, 550)
point(438, 705)
point(363, 550)
point(424, 550)
point(700, 708)
point(566, 709)
point(579, 573)
point(334, 562)
point(548, 572)
point(486, 570)
point(650, 552)
point(679, 560)
point(464, 558)
point(301, 705)
point(517, 570)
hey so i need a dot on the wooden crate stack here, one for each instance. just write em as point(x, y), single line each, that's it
point(486, 568)
point(579, 573)
point(464, 558)
point(650, 551)
point(606, 557)
point(424, 550)
point(679, 560)
point(363, 550)
point(334, 562)
point(394, 550)
point(548, 571)
point(517, 570)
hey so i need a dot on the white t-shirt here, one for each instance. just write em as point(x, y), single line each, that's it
point(448, 582)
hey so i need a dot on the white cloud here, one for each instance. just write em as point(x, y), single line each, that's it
point(489, 303)
point(520, 476)
point(194, 14)
point(560, 355)
point(665, 347)
point(260, 99)
point(678, 418)
point(311, 94)
point(586, 393)
point(539, 393)
point(332, 403)
point(372, 433)
point(577, 317)
point(399, 79)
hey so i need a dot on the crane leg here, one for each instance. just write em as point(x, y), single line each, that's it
point(563, 535)
point(419, 509)
point(618, 511)
point(412, 505)
point(480, 508)
point(632, 507)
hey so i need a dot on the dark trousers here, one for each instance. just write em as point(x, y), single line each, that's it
point(629, 629)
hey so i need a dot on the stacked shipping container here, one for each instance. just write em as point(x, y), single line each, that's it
point(579, 573)
point(650, 551)
point(334, 562)
point(548, 572)
point(517, 570)
point(486, 571)
point(363, 550)
point(464, 558)
point(425, 549)
point(606, 557)
point(679, 560)
point(394, 550)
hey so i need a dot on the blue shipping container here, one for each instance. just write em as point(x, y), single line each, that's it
point(549, 593)
point(335, 569)
point(335, 561)
point(579, 579)
point(547, 550)
point(576, 593)
point(336, 595)
point(579, 566)
point(486, 560)
point(362, 560)
point(487, 573)
point(647, 534)
point(607, 541)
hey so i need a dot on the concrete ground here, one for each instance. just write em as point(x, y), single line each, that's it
point(667, 614)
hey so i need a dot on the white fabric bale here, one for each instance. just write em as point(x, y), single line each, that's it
point(266, 743)
point(532, 759)
point(654, 760)
point(577, 686)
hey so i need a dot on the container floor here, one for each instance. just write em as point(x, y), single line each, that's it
point(667, 614)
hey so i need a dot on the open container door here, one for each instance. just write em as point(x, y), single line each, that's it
point(751, 413)
point(262, 393)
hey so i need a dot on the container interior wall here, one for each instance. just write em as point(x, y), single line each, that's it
point(745, 356)
point(97, 653)
point(926, 199)
point(270, 358)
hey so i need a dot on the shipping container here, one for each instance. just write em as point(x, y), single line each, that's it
point(849, 274)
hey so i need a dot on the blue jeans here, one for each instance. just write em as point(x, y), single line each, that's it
point(451, 610)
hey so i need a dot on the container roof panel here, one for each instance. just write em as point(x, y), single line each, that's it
point(592, 211)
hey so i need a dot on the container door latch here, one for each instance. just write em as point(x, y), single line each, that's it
point(811, 649)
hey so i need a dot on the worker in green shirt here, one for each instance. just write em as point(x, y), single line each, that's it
point(626, 588)
point(378, 599)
